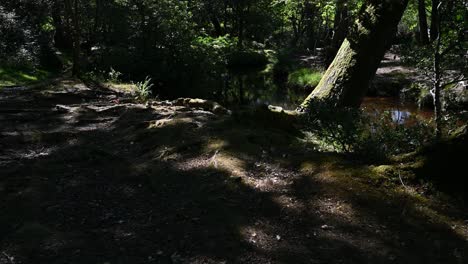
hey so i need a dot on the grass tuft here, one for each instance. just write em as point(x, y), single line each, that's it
point(305, 77)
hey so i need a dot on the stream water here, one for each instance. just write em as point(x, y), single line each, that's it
point(400, 110)
point(289, 98)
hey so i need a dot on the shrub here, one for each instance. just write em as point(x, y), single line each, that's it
point(370, 136)
point(114, 76)
point(143, 89)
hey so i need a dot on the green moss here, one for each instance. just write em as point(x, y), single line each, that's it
point(336, 73)
point(21, 76)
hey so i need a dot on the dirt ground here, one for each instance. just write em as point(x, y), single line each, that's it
point(87, 176)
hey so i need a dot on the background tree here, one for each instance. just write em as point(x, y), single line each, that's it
point(423, 29)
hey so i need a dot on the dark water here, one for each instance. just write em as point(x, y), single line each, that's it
point(262, 88)
point(289, 99)
point(400, 110)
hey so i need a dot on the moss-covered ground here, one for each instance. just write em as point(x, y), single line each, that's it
point(11, 76)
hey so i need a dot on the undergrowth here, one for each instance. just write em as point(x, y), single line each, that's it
point(371, 136)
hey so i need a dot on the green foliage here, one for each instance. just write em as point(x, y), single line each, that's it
point(305, 78)
point(453, 43)
point(114, 76)
point(48, 25)
point(143, 89)
point(371, 136)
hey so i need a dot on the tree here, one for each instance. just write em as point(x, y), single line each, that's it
point(341, 25)
point(423, 29)
point(449, 39)
point(347, 78)
point(434, 20)
point(72, 7)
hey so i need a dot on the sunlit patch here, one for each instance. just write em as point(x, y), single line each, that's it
point(307, 167)
point(218, 160)
point(289, 203)
point(171, 122)
point(336, 208)
point(269, 183)
point(255, 236)
point(229, 163)
point(216, 144)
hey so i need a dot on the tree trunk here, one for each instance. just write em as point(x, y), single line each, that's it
point(72, 10)
point(341, 25)
point(434, 20)
point(423, 34)
point(309, 14)
point(60, 38)
point(218, 30)
point(346, 81)
point(437, 83)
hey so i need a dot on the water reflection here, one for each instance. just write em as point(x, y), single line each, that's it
point(260, 88)
point(400, 111)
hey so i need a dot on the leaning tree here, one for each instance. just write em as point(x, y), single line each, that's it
point(347, 78)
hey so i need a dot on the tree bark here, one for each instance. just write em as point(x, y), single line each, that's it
point(434, 20)
point(309, 14)
point(341, 25)
point(73, 12)
point(423, 34)
point(437, 82)
point(347, 78)
point(60, 38)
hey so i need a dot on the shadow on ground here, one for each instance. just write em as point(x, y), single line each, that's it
point(97, 181)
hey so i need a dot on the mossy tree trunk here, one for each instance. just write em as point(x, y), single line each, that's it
point(347, 78)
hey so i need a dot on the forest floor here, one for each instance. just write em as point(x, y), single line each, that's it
point(88, 176)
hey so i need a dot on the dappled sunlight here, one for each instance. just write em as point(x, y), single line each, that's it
point(216, 145)
point(177, 183)
point(258, 238)
point(233, 132)
point(332, 207)
point(218, 160)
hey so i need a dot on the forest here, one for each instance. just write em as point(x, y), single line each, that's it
point(233, 131)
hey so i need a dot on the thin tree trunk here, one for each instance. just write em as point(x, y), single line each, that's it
point(72, 10)
point(309, 14)
point(217, 26)
point(60, 39)
point(434, 20)
point(241, 89)
point(346, 81)
point(423, 34)
point(437, 83)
